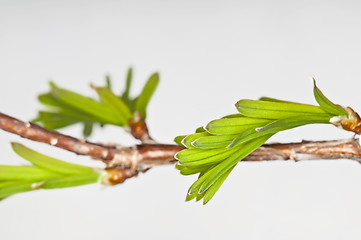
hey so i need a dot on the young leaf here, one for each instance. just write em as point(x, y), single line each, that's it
point(268, 99)
point(190, 197)
point(230, 126)
point(215, 159)
point(128, 83)
point(291, 122)
point(208, 195)
point(235, 115)
point(50, 100)
point(87, 129)
point(24, 173)
point(71, 181)
point(54, 120)
point(49, 163)
point(195, 194)
point(179, 139)
point(326, 104)
point(194, 170)
point(213, 141)
point(191, 170)
point(14, 187)
point(204, 182)
point(146, 94)
point(108, 82)
point(189, 155)
point(85, 104)
point(115, 103)
point(188, 140)
point(6, 183)
point(275, 110)
point(278, 126)
point(200, 130)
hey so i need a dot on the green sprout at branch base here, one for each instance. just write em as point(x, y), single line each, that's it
point(66, 107)
point(44, 173)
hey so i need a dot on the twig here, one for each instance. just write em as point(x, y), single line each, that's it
point(308, 150)
point(39, 134)
point(123, 163)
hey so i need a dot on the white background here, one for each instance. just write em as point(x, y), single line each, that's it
point(209, 54)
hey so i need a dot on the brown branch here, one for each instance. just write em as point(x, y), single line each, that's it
point(308, 150)
point(39, 134)
point(123, 163)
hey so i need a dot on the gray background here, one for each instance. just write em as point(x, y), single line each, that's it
point(209, 54)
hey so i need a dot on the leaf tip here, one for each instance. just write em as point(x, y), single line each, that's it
point(94, 87)
point(190, 191)
point(195, 143)
point(313, 80)
point(176, 157)
point(205, 201)
point(15, 145)
point(52, 84)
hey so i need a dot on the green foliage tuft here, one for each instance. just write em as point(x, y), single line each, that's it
point(213, 154)
point(44, 173)
point(144, 97)
point(65, 107)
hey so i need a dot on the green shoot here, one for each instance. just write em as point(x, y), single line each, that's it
point(65, 107)
point(215, 152)
point(44, 173)
point(144, 97)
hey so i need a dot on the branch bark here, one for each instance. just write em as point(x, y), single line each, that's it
point(126, 162)
point(39, 134)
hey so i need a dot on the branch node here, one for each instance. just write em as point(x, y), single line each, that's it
point(53, 141)
point(139, 129)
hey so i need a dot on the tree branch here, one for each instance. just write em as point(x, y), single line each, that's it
point(126, 162)
point(308, 150)
point(39, 134)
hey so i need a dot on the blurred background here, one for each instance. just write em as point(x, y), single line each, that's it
point(209, 55)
